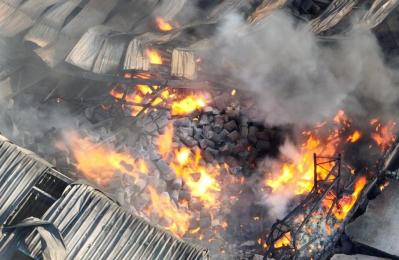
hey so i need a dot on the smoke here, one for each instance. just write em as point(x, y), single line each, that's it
point(296, 77)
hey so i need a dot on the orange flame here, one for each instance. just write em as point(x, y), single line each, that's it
point(100, 163)
point(162, 206)
point(299, 175)
point(354, 137)
point(200, 179)
point(346, 203)
point(384, 135)
point(165, 141)
point(163, 25)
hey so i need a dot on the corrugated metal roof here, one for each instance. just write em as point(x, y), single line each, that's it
point(18, 173)
point(95, 227)
point(91, 224)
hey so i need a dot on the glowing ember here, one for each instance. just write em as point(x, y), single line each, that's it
point(163, 25)
point(154, 56)
point(284, 240)
point(162, 206)
point(100, 163)
point(188, 105)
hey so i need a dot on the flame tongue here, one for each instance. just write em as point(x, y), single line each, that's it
point(154, 56)
point(163, 25)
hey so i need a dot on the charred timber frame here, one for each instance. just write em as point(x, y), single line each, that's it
point(307, 207)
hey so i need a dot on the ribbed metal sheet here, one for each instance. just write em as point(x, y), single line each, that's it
point(92, 225)
point(18, 173)
point(95, 227)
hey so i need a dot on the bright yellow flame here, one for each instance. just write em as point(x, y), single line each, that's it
point(188, 105)
point(354, 137)
point(154, 56)
point(163, 25)
point(284, 240)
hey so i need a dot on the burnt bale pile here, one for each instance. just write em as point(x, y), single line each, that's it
point(229, 136)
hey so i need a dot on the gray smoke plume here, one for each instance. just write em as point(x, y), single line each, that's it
point(297, 77)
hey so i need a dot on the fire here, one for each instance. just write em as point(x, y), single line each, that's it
point(100, 163)
point(201, 180)
point(154, 56)
point(178, 219)
point(188, 105)
point(354, 137)
point(165, 141)
point(384, 134)
point(163, 25)
point(284, 240)
point(346, 203)
point(299, 175)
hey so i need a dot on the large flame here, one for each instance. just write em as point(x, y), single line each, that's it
point(177, 220)
point(299, 174)
point(201, 179)
point(100, 163)
point(188, 105)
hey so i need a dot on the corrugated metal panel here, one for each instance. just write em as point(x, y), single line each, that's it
point(95, 227)
point(334, 13)
point(135, 58)
point(183, 64)
point(23, 17)
point(19, 171)
point(378, 12)
point(46, 30)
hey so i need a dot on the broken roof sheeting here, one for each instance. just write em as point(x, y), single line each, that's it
point(94, 227)
point(93, 13)
point(378, 12)
point(334, 13)
point(183, 64)
point(19, 170)
point(46, 30)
